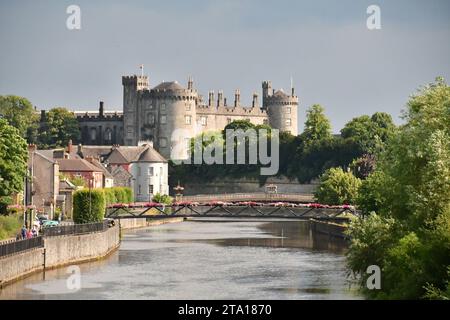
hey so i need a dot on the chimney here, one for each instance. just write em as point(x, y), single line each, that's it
point(80, 150)
point(190, 83)
point(255, 100)
point(225, 102)
point(69, 147)
point(101, 109)
point(292, 92)
point(32, 148)
point(237, 98)
point(220, 98)
point(211, 99)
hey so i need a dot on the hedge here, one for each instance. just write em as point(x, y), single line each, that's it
point(88, 206)
point(118, 195)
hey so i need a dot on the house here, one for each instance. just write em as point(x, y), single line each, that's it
point(43, 182)
point(80, 168)
point(150, 175)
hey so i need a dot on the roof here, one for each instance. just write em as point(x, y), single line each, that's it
point(66, 184)
point(124, 154)
point(280, 93)
point(76, 165)
point(173, 85)
point(95, 151)
point(100, 166)
point(150, 155)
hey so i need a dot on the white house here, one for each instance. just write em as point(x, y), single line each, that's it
point(150, 175)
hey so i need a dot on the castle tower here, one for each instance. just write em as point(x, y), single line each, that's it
point(132, 87)
point(281, 108)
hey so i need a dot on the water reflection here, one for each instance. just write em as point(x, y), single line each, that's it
point(207, 260)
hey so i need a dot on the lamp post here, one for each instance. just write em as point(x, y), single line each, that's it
point(178, 192)
point(91, 182)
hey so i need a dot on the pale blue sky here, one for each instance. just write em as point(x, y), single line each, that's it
point(324, 45)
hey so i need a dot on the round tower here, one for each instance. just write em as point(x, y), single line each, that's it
point(176, 108)
point(281, 108)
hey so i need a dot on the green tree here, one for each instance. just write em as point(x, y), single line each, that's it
point(88, 206)
point(162, 198)
point(337, 187)
point(371, 133)
point(317, 125)
point(60, 126)
point(13, 162)
point(19, 113)
point(411, 188)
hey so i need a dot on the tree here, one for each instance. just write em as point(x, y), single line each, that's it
point(88, 206)
point(60, 126)
point(371, 133)
point(317, 125)
point(337, 187)
point(410, 188)
point(19, 113)
point(13, 161)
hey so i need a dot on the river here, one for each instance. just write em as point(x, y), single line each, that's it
point(205, 259)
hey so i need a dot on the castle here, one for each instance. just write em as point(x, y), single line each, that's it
point(154, 114)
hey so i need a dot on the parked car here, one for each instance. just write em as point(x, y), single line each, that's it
point(49, 223)
point(111, 222)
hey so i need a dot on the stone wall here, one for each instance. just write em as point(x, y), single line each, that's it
point(59, 251)
point(284, 185)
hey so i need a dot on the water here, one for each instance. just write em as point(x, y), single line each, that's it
point(207, 259)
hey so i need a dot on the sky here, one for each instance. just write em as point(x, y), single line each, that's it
point(324, 45)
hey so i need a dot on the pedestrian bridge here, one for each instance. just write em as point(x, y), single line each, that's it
point(235, 209)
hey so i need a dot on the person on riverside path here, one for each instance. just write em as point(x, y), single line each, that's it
point(24, 232)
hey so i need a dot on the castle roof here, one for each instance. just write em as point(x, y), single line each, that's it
point(173, 85)
point(280, 94)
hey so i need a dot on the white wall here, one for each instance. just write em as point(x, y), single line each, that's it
point(142, 179)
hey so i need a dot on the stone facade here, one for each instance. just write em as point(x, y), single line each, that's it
point(170, 114)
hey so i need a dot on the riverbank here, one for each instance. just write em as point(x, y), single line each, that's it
point(59, 251)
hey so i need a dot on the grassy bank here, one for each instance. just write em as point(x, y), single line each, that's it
point(9, 226)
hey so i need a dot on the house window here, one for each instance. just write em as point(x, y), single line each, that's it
point(187, 119)
point(160, 171)
point(163, 119)
point(150, 189)
point(150, 171)
point(163, 142)
point(288, 122)
point(139, 189)
point(139, 171)
point(288, 110)
point(203, 121)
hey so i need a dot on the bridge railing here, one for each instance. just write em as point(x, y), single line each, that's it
point(294, 197)
point(75, 229)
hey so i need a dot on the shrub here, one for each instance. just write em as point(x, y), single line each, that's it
point(337, 187)
point(118, 195)
point(9, 226)
point(88, 206)
point(162, 198)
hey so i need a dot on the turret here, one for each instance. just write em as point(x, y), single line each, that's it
point(237, 98)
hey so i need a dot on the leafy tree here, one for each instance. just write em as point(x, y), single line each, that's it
point(370, 133)
point(317, 125)
point(13, 161)
point(19, 113)
point(60, 126)
point(162, 198)
point(411, 188)
point(337, 187)
point(363, 166)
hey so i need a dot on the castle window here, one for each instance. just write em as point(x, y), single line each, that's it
point(163, 142)
point(108, 134)
point(203, 121)
point(163, 106)
point(265, 121)
point(229, 120)
point(187, 119)
point(288, 122)
point(151, 118)
point(93, 134)
point(288, 110)
point(163, 119)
